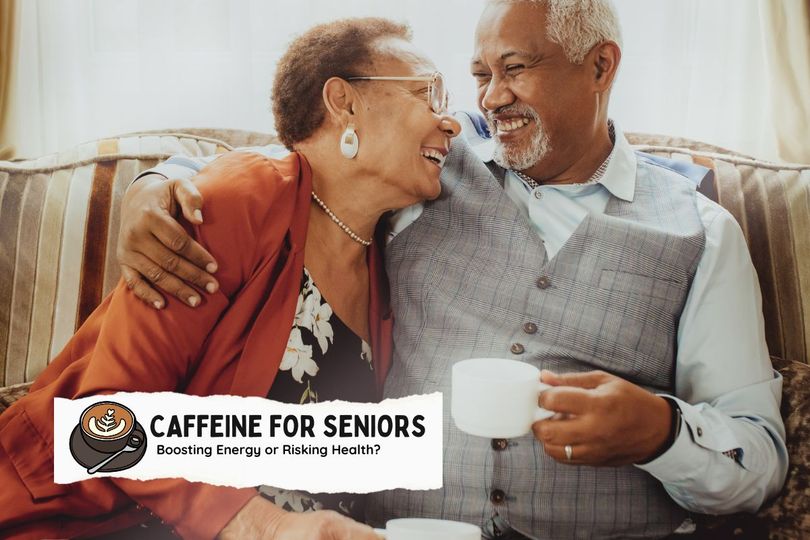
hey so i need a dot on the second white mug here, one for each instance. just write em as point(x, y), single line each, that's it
point(429, 529)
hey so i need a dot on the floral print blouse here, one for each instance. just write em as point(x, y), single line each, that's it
point(324, 361)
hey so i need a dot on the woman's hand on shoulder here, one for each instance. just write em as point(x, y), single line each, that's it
point(260, 518)
point(154, 250)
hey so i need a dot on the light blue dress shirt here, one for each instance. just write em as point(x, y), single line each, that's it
point(730, 454)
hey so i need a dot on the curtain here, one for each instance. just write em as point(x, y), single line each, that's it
point(94, 68)
point(695, 69)
point(7, 50)
point(787, 48)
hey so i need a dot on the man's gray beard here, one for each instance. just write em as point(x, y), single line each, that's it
point(525, 157)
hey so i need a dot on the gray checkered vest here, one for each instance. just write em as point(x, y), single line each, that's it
point(468, 276)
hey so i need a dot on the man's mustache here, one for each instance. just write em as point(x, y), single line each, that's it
point(521, 109)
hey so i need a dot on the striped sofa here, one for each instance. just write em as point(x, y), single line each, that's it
point(58, 231)
point(59, 218)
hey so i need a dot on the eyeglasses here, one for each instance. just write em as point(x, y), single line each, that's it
point(437, 93)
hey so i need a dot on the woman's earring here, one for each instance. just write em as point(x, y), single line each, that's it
point(349, 143)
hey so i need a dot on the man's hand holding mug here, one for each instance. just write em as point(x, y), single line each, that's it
point(592, 418)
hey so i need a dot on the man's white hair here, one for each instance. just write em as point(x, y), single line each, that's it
point(578, 25)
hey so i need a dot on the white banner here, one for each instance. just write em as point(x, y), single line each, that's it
point(330, 447)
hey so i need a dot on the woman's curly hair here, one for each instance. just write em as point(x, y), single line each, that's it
point(342, 48)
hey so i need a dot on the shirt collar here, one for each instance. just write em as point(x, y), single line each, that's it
point(620, 175)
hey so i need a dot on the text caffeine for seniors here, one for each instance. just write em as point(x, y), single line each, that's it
point(291, 425)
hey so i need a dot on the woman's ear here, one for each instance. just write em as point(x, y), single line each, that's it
point(340, 100)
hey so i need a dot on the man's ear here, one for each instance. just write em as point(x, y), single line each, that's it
point(605, 58)
point(340, 99)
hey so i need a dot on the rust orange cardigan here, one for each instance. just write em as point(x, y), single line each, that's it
point(256, 216)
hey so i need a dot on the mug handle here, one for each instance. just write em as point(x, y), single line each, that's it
point(541, 413)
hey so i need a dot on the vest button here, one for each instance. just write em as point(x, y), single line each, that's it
point(499, 444)
point(497, 496)
point(530, 328)
point(537, 194)
point(543, 282)
point(517, 348)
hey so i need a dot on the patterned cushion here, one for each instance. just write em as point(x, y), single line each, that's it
point(788, 516)
point(59, 219)
point(10, 394)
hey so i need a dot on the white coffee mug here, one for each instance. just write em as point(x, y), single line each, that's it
point(429, 529)
point(496, 398)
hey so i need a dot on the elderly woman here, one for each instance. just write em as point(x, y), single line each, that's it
point(364, 116)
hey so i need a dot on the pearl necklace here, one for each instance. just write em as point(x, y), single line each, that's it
point(339, 223)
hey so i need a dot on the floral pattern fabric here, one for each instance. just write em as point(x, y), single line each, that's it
point(324, 360)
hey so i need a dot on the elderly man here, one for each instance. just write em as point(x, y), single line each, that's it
point(557, 245)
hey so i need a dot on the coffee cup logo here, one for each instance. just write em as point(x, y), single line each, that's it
point(115, 423)
point(107, 438)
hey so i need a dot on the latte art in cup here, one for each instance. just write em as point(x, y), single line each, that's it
point(107, 426)
point(107, 421)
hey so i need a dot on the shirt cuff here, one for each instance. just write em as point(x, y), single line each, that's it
point(168, 170)
point(698, 435)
